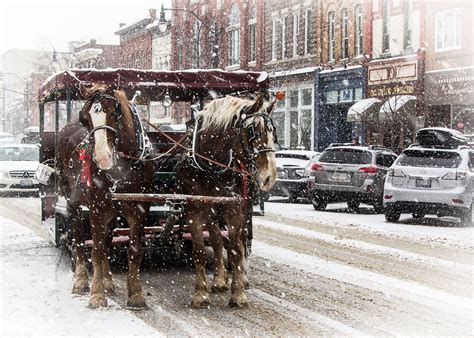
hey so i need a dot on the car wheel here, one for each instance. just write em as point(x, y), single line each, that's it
point(466, 218)
point(265, 195)
point(319, 203)
point(418, 215)
point(392, 216)
point(353, 204)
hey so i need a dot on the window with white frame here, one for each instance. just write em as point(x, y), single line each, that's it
point(233, 33)
point(284, 33)
point(331, 27)
point(307, 31)
point(448, 29)
point(196, 44)
point(253, 34)
point(408, 8)
point(344, 33)
point(274, 38)
point(296, 32)
point(385, 30)
point(358, 30)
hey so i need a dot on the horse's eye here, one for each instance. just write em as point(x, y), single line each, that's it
point(97, 107)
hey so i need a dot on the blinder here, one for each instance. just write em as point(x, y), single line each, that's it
point(248, 123)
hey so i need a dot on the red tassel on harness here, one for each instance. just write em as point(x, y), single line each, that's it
point(85, 158)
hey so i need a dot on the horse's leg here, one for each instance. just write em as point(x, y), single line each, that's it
point(219, 284)
point(136, 217)
point(107, 274)
point(234, 219)
point(196, 220)
point(81, 276)
point(99, 237)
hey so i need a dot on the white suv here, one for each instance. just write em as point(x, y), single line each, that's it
point(431, 180)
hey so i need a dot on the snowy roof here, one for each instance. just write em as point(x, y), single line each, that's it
point(154, 84)
point(294, 71)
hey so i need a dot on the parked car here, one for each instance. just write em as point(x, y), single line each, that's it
point(434, 180)
point(350, 173)
point(293, 173)
point(6, 137)
point(18, 163)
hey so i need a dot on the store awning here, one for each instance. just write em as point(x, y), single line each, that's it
point(363, 108)
point(396, 104)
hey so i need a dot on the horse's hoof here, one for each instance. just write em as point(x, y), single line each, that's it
point(238, 301)
point(246, 284)
point(109, 286)
point(219, 286)
point(97, 300)
point(200, 301)
point(137, 302)
point(80, 287)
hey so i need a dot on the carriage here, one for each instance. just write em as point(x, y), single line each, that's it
point(184, 93)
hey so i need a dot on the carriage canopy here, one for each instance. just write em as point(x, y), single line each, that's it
point(184, 85)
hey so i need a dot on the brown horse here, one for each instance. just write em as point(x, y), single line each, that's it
point(105, 151)
point(240, 134)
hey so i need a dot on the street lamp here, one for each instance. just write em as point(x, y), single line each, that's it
point(163, 24)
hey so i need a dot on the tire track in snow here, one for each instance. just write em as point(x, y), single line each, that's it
point(389, 286)
point(367, 247)
point(318, 320)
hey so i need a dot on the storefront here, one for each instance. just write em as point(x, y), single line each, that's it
point(397, 82)
point(449, 96)
point(293, 116)
point(336, 91)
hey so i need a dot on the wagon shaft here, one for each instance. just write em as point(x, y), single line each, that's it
point(190, 199)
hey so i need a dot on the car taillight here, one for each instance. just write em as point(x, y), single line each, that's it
point(455, 175)
point(395, 173)
point(316, 167)
point(369, 170)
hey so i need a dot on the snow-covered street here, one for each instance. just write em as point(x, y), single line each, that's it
point(311, 273)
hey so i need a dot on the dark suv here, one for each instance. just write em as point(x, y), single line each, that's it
point(352, 174)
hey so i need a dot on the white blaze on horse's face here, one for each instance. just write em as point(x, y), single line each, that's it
point(267, 171)
point(102, 151)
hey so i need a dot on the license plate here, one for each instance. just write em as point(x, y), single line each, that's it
point(422, 183)
point(340, 177)
point(26, 183)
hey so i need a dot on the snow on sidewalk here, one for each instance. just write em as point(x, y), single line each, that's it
point(35, 293)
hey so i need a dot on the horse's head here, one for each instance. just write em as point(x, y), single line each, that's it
point(258, 136)
point(99, 116)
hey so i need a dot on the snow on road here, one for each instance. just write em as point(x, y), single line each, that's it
point(36, 294)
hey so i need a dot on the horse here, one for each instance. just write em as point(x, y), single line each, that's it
point(104, 151)
point(240, 134)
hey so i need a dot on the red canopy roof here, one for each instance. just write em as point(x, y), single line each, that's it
point(154, 84)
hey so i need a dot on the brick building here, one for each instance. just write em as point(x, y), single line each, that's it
point(449, 64)
point(136, 43)
point(217, 34)
point(94, 55)
point(340, 80)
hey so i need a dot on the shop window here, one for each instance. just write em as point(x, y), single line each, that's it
point(331, 96)
point(293, 129)
point(196, 44)
point(448, 29)
point(278, 118)
point(306, 97)
point(346, 95)
point(305, 128)
point(357, 94)
point(408, 9)
point(293, 99)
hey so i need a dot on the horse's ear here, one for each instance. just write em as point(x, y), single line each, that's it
point(257, 105)
point(270, 107)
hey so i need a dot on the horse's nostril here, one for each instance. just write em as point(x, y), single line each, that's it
point(267, 180)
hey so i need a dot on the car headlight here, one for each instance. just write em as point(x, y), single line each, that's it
point(4, 174)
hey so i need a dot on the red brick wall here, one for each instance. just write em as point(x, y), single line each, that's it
point(135, 50)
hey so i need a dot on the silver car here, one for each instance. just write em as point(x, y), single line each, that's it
point(352, 174)
point(431, 181)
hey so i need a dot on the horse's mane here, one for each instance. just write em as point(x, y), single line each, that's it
point(220, 113)
point(126, 112)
